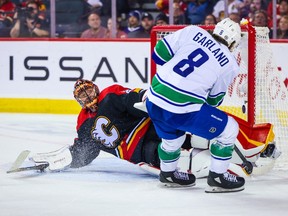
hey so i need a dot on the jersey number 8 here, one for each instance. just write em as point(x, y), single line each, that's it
point(189, 63)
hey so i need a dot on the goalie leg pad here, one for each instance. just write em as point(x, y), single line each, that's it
point(196, 161)
point(58, 160)
point(199, 142)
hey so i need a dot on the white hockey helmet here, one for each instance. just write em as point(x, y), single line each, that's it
point(229, 31)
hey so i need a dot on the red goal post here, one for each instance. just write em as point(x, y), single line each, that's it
point(258, 94)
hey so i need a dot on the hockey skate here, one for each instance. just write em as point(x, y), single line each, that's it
point(223, 183)
point(177, 179)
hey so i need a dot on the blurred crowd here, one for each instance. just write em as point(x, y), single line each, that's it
point(135, 18)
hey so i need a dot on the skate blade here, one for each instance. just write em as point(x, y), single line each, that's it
point(174, 185)
point(214, 189)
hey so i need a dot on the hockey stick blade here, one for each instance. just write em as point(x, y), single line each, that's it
point(39, 167)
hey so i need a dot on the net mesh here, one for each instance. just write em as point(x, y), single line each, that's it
point(270, 96)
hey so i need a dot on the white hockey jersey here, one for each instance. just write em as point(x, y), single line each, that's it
point(195, 69)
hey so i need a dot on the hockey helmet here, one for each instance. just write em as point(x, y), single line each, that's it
point(86, 93)
point(229, 31)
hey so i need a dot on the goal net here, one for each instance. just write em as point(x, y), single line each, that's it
point(258, 94)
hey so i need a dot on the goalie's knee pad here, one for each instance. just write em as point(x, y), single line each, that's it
point(230, 132)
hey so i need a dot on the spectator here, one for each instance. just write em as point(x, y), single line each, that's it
point(7, 9)
point(256, 5)
point(179, 14)
point(283, 7)
point(119, 33)
point(196, 11)
point(95, 30)
point(147, 23)
point(282, 30)
point(219, 8)
point(163, 6)
point(40, 3)
point(161, 19)
point(30, 22)
point(133, 22)
point(235, 17)
point(244, 9)
point(179, 10)
point(260, 18)
point(210, 19)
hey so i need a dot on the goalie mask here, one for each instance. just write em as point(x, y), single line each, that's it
point(229, 31)
point(86, 93)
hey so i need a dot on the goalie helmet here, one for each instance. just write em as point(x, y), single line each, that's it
point(86, 93)
point(229, 31)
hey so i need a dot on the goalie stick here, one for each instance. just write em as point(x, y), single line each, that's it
point(16, 166)
point(39, 167)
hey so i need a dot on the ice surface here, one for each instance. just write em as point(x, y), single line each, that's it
point(110, 186)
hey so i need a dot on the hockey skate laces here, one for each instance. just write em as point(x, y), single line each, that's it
point(181, 175)
point(229, 177)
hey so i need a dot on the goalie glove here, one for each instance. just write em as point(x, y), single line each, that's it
point(58, 160)
point(142, 105)
point(271, 151)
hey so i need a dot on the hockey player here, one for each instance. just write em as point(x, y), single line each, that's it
point(109, 122)
point(196, 71)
